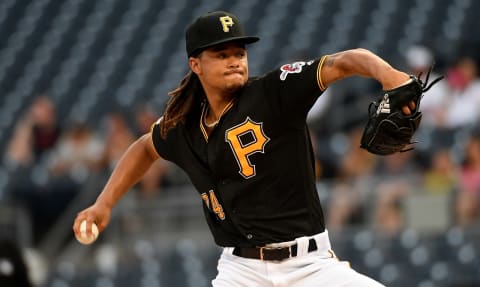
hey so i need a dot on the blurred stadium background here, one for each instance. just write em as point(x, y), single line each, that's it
point(80, 80)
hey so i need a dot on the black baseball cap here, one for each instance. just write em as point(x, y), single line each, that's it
point(215, 28)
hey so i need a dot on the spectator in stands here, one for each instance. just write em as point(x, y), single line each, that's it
point(420, 59)
point(345, 207)
point(441, 176)
point(19, 150)
point(118, 137)
point(464, 100)
point(144, 119)
point(156, 177)
point(398, 174)
point(350, 190)
point(35, 137)
point(153, 180)
point(356, 163)
point(46, 130)
point(468, 201)
point(78, 153)
point(388, 214)
point(397, 165)
point(36, 133)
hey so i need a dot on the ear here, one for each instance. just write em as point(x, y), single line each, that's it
point(194, 64)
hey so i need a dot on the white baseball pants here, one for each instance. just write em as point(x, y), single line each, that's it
point(318, 268)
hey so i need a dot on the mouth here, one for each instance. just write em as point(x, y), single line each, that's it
point(234, 72)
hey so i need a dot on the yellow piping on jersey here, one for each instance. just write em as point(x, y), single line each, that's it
point(319, 73)
point(157, 122)
point(202, 128)
point(202, 116)
point(151, 133)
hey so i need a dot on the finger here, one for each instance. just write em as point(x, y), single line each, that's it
point(102, 224)
point(76, 223)
point(412, 105)
point(81, 216)
point(406, 110)
point(90, 220)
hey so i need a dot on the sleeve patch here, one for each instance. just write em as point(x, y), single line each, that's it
point(293, 68)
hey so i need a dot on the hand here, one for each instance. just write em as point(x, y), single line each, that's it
point(398, 79)
point(408, 109)
point(98, 213)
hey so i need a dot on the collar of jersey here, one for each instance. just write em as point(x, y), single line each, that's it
point(204, 110)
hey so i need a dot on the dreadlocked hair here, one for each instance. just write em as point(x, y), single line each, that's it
point(182, 100)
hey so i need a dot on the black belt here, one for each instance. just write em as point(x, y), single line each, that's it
point(272, 253)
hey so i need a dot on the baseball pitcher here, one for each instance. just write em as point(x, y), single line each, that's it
point(245, 145)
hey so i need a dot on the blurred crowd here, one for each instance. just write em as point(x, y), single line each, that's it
point(50, 159)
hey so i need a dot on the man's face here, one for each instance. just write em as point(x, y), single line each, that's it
point(222, 68)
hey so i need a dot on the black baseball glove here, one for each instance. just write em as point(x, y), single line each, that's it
point(388, 129)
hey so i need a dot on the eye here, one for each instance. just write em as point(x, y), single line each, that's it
point(221, 55)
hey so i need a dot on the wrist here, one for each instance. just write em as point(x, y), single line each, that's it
point(103, 203)
point(402, 84)
point(395, 80)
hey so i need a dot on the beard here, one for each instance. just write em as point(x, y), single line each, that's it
point(233, 87)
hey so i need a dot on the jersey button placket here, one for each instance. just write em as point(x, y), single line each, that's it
point(249, 236)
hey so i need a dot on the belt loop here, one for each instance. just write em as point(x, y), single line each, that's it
point(302, 245)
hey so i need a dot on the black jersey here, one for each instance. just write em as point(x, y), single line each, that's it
point(255, 172)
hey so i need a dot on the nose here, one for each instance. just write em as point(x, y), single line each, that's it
point(233, 62)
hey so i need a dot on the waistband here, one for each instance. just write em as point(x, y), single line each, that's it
point(280, 251)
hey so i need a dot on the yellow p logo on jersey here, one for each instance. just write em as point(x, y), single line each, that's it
point(242, 150)
point(227, 22)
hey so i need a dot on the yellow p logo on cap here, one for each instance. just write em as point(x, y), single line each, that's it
point(227, 22)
